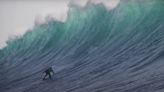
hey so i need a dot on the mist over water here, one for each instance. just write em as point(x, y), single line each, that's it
point(95, 50)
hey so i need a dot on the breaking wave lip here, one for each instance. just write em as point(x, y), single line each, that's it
point(120, 50)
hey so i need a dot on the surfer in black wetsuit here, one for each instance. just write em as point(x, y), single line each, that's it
point(48, 73)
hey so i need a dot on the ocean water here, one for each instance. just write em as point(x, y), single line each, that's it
point(95, 50)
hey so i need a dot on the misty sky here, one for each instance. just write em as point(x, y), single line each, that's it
point(17, 16)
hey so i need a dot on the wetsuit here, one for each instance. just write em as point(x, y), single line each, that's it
point(48, 73)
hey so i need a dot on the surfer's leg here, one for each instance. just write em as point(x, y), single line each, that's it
point(50, 75)
point(44, 76)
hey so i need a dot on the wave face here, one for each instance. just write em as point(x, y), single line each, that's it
point(95, 50)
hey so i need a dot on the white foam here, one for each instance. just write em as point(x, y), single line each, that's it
point(18, 17)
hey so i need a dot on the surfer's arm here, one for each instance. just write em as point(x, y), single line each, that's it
point(52, 71)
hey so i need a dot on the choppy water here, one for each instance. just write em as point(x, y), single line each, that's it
point(95, 50)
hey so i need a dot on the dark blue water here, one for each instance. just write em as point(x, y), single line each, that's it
point(95, 50)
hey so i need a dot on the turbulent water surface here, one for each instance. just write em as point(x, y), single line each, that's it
point(95, 50)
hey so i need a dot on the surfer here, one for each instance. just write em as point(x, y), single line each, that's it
point(48, 73)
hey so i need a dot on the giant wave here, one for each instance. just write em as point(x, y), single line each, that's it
point(95, 50)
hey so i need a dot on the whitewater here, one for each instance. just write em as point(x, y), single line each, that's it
point(95, 50)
